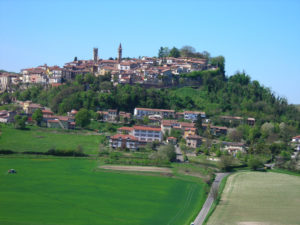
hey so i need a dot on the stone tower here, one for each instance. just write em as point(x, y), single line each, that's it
point(120, 53)
point(95, 55)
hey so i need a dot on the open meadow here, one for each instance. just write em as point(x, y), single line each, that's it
point(259, 198)
point(42, 139)
point(52, 190)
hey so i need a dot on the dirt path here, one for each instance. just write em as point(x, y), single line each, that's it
point(137, 168)
point(206, 207)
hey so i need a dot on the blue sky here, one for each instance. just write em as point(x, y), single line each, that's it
point(260, 37)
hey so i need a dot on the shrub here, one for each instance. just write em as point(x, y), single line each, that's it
point(255, 163)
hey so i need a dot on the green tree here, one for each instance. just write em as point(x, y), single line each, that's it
point(174, 53)
point(226, 162)
point(37, 116)
point(20, 122)
point(163, 52)
point(187, 51)
point(83, 118)
point(255, 163)
point(198, 124)
point(219, 61)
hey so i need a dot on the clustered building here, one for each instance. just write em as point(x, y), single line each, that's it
point(144, 70)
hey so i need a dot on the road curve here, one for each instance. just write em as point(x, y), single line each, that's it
point(205, 209)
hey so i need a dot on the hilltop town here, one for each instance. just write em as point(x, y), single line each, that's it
point(148, 71)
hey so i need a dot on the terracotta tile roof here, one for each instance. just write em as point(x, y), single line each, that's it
point(169, 122)
point(33, 105)
point(232, 117)
point(46, 111)
point(186, 124)
point(193, 137)
point(233, 144)
point(157, 110)
point(124, 136)
point(146, 128)
point(193, 112)
point(172, 138)
point(56, 84)
point(53, 121)
point(125, 128)
point(190, 128)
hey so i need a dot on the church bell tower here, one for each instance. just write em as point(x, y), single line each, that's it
point(120, 53)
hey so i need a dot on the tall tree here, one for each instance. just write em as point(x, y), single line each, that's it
point(174, 52)
point(37, 116)
point(83, 118)
point(20, 121)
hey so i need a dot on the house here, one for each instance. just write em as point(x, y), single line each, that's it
point(215, 130)
point(112, 114)
point(147, 134)
point(251, 121)
point(125, 130)
point(164, 113)
point(193, 115)
point(104, 115)
point(189, 131)
point(143, 133)
point(124, 141)
point(7, 116)
point(7, 79)
point(184, 125)
point(29, 107)
point(296, 139)
point(72, 113)
point(296, 142)
point(193, 141)
point(62, 122)
point(233, 147)
point(232, 119)
point(172, 140)
point(124, 116)
point(167, 125)
point(47, 112)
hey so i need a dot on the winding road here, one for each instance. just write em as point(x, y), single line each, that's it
point(205, 209)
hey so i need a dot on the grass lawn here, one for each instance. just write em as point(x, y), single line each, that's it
point(51, 190)
point(42, 139)
point(259, 198)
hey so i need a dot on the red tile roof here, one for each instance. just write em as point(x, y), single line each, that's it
point(124, 136)
point(146, 128)
point(193, 137)
point(126, 128)
point(157, 110)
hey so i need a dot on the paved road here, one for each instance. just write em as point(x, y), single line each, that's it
point(203, 213)
point(179, 156)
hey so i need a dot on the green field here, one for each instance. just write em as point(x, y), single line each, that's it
point(42, 139)
point(73, 191)
point(251, 198)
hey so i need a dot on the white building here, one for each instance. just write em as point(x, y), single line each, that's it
point(123, 141)
point(193, 115)
point(164, 113)
point(148, 134)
